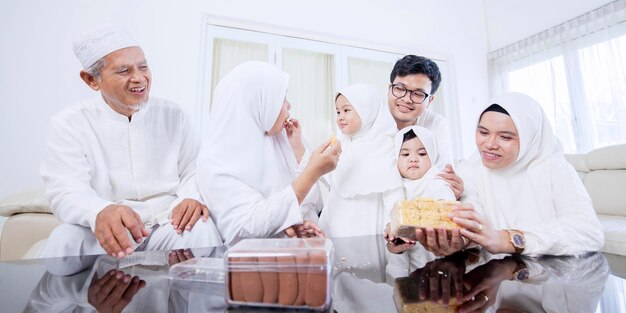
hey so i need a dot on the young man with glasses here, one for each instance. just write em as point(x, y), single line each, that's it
point(414, 81)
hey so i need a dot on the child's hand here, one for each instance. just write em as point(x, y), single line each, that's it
point(397, 245)
point(455, 182)
point(307, 229)
point(186, 214)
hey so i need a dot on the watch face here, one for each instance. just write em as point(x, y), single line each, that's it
point(522, 274)
point(518, 241)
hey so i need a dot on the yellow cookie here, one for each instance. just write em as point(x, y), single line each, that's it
point(333, 139)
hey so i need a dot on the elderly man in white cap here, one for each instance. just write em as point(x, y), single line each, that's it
point(120, 168)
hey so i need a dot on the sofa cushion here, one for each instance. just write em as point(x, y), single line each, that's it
point(606, 188)
point(607, 158)
point(29, 201)
point(579, 161)
point(22, 231)
point(614, 233)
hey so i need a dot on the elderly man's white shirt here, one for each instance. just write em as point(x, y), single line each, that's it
point(96, 157)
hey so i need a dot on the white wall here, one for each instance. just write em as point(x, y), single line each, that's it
point(39, 74)
point(509, 21)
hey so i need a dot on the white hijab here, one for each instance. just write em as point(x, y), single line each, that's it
point(238, 159)
point(366, 164)
point(429, 185)
point(509, 194)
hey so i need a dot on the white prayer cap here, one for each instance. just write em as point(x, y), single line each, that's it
point(96, 43)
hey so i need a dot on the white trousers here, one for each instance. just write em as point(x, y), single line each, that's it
point(73, 240)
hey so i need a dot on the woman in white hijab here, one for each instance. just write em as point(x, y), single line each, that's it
point(417, 153)
point(253, 171)
point(530, 199)
point(366, 183)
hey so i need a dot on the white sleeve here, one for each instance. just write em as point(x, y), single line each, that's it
point(390, 197)
point(189, 149)
point(242, 212)
point(440, 190)
point(66, 174)
point(576, 228)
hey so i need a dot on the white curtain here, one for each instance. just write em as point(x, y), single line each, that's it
point(369, 72)
point(311, 92)
point(577, 71)
point(229, 53)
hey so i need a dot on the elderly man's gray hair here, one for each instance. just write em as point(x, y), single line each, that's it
point(95, 70)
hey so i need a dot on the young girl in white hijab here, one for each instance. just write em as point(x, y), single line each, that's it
point(253, 171)
point(530, 199)
point(419, 164)
point(366, 183)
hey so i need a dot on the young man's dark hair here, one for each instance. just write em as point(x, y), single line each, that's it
point(412, 64)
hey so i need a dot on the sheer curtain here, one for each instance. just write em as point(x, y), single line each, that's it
point(229, 53)
point(577, 71)
point(311, 92)
point(369, 72)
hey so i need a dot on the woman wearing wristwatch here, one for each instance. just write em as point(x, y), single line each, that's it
point(527, 198)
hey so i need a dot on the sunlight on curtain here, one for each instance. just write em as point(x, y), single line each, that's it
point(229, 53)
point(546, 82)
point(603, 69)
point(577, 72)
point(311, 92)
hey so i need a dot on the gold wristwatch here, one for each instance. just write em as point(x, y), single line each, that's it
point(521, 272)
point(516, 238)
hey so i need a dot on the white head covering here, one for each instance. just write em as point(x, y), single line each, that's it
point(510, 192)
point(237, 152)
point(429, 185)
point(97, 43)
point(367, 164)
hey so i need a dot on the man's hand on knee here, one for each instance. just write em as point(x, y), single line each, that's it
point(112, 224)
point(187, 213)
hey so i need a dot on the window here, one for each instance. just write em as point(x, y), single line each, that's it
point(317, 70)
point(577, 72)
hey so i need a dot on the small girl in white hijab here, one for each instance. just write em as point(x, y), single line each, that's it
point(419, 163)
point(366, 183)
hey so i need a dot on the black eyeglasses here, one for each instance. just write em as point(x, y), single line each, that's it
point(399, 91)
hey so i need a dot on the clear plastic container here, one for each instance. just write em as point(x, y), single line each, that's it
point(205, 275)
point(285, 273)
point(409, 215)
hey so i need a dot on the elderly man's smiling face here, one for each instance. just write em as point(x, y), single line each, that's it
point(124, 80)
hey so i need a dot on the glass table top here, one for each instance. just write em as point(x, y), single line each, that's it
point(366, 277)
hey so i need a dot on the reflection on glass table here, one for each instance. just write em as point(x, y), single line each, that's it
point(366, 278)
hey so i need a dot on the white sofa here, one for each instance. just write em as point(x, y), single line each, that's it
point(603, 172)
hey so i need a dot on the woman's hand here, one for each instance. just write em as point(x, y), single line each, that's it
point(294, 134)
point(186, 214)
point(324, 159)
point(179, 255)
point(440, 242)
point(307, 229)
point(477, 229)
point(483, 283)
